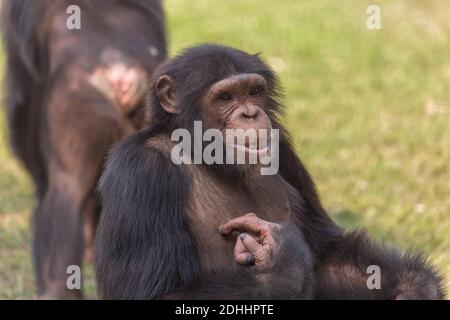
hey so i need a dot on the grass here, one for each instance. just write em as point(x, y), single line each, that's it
point(368, 110)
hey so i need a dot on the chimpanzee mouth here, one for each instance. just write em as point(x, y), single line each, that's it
point(252, 149)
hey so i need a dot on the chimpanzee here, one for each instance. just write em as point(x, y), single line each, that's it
point(173, 230)
point(71, 93)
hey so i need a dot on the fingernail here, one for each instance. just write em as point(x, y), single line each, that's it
point(242, 236)
point(250, 260)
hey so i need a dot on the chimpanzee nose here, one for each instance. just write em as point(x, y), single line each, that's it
point(250, 111)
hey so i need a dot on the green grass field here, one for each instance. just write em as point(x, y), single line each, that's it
point(369, 111)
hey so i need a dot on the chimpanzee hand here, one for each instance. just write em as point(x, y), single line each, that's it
point(277, 252)
point(257, 242)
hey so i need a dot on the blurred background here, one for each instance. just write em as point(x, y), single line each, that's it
point(369, 111)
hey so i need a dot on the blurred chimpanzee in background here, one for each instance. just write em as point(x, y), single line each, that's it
point(70, 95)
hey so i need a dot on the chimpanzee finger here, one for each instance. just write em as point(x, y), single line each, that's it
point(241, 254)
point(243, 224)
point(252, 246)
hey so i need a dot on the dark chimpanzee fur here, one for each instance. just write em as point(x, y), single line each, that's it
point(70, 95)
point(157, 235)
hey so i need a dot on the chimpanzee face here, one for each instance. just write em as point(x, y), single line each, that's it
point(238, 102)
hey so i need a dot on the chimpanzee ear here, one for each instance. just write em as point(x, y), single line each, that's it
point(166, 93)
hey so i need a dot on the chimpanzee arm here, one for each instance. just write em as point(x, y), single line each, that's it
point(353, 262)
point(342, 259)
point(289, 276)
point(143, 249)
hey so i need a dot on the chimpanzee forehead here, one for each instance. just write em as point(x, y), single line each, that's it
point(196, 69)
point(207, 64)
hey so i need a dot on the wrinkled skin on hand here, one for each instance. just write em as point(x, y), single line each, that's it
point(257, 242)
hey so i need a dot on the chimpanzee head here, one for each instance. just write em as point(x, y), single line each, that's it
point(225, 88)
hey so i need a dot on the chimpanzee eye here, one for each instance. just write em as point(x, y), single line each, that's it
point(225, 96)
point(255, 90)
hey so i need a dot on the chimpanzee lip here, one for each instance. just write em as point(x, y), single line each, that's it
point(244, 148)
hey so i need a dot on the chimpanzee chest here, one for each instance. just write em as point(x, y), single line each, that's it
point(215, 202)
